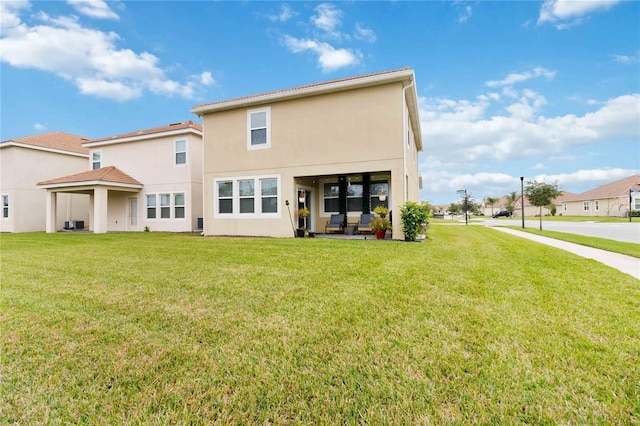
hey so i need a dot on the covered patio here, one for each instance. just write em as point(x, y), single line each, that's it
point(97, 184)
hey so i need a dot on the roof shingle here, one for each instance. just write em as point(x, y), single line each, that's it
point(161, 129)
point(104, 174)
point(54, 140)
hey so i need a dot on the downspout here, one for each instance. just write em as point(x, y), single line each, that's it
point(405, 138)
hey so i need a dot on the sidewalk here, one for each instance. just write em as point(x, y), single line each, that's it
point(627, 264)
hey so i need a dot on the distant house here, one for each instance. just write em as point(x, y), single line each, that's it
point(336, 147)
point(529, 209)
point(24, 162)
point(144, 179)
point(612, 199)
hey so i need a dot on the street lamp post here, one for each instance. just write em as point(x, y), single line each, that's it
point(464, 191)
point(522, 198)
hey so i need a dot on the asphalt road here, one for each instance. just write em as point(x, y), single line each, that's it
point(625, 232)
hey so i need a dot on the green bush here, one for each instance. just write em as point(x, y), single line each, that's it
point(414, 218)
point(635, 213)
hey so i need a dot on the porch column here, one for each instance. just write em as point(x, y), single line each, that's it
point(100, 210)
point(91, 204)
point(52, 198)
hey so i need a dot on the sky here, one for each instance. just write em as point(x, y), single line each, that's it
point(547, 90)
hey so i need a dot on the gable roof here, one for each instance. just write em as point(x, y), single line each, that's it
point(404, 75)
point(51, 141)
point(618, 188)
point(167, 130)
point(103, 175)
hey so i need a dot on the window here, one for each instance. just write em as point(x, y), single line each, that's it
point(246, 191)
point(331, 197)
point(378, 188)
point(258, 123)
point(151, 206)
point(564, 207)
point(354, 197)
point(269, 195)
point(225, 197)
point(178, 206)
point(96, 160)
point(247, 197)
point(165, 206)
point(636, 203)
point(585, 206)
point(5, 206)
point(596, 205)
point(181, 152)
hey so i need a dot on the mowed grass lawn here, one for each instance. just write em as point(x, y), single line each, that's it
point(473, 326)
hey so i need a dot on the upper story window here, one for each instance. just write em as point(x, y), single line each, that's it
point(96, 160)
point(181, 152)
point(5, 206)
point(258, 128)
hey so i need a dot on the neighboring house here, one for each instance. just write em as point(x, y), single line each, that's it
point(24, 162)
point(341, 146)
point(529, 209)
point(145, 179)
point(612, 199)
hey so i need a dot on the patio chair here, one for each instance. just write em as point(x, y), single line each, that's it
point(364, 225)
point(335, 224)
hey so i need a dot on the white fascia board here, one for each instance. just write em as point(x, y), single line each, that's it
point(89, 184)
point(42, 148)
point(142, 137)
point(404, 75)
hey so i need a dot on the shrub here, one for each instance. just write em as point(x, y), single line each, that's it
point(414, 219)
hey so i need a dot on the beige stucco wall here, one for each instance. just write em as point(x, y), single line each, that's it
point(152, 162)
point(21, 169)
point(617, 207)
point(351, 132)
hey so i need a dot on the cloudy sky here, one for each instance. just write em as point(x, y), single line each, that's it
point(548, 90)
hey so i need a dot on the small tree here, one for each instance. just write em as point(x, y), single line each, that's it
point(492, 201)
point(454, 208)
point(541, 194)
point(511, 202)
point(414, 219)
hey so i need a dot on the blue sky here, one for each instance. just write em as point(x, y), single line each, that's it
point(548, 90)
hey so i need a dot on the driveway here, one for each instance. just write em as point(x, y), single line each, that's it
point(628, 232)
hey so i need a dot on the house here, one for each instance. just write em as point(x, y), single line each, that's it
point(612, 199)
point(24, 162)
point(341, 146)
point(147, 179)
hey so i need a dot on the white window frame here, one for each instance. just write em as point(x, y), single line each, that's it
point(165, 207)
point(250, 112)
point(176, 152)
point(257, 198)
point(596, 205)
point(149, 206)
point(177, 206)
point(586, 206)
point(323, 211)
point(6, 206)
point(93, 159)
point(636, 203)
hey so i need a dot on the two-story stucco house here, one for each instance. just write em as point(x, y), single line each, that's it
point(27, 160)
point(341, 146)
point(147, 179)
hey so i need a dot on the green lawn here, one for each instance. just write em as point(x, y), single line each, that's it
point(629, 249)
point(473, 326)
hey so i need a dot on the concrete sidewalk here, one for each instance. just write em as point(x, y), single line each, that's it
point(627, 264)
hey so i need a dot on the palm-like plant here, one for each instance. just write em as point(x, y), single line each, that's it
point(492, 201)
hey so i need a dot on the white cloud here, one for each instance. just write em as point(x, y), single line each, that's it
point(284, 15)
point(94, 9)
point(10, 14)
point(465, 15)
point(568, 13)
point(465, 134)
point(593, 176)
point(328, 19)
point(207, 79)
point(87, 57)
point(514, 78)
point(329, 58)
point(538, 166)
point(363, 33)
point(39, 127)
point(625, 59)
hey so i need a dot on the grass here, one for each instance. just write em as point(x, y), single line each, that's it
point(629, 249)
point(473, 326)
